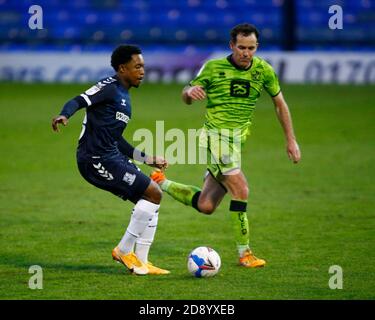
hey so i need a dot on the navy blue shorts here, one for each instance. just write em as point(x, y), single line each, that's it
point(119, 176)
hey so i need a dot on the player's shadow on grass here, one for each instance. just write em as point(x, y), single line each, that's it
point(24, 262)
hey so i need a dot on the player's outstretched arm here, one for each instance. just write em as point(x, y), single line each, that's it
point(285, 119)
point(190, 94)
point(59, 119)
point(67, 111)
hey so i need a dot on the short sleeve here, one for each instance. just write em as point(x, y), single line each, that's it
point(203, 77)
point(271, 81)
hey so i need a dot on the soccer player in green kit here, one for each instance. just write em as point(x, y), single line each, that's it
point(232, 85)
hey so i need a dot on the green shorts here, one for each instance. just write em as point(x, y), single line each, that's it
point(223, 152)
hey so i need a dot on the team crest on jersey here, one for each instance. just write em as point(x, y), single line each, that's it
point(255, 75)
point(129, 178)
point(122, 117)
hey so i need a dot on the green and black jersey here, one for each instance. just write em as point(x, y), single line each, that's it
point(232, 92)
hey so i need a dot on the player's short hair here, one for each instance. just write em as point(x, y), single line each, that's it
point(245, 29)
point(123, 54)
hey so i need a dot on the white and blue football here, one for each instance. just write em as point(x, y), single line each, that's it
point(203, 262)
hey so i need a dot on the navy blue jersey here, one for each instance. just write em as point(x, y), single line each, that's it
point(108, 111)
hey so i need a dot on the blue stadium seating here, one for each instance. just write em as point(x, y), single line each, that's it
point(358, 23)
point(86, 23)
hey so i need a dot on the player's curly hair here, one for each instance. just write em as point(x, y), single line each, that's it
point(123, 54)
point(244, 29)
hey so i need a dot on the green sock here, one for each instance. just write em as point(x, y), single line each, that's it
point(180, 192)
point(240, 224)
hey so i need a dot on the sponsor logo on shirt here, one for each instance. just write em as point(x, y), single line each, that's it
point(129, 178)
point(239, 88)
point(94, 89)
point(122, 117)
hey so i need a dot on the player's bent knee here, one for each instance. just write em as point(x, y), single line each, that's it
point(206, 208)
point(245, 193)
point(241, 193)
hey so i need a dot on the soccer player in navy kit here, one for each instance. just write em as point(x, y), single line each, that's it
point(103, 155)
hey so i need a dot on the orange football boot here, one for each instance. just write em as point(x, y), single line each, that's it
point(158, 176)
point(249, 260)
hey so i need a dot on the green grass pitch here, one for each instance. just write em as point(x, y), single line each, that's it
point(303, 218)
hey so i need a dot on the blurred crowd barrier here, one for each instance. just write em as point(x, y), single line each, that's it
point(292, 67)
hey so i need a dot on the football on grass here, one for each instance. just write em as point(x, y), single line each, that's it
point(203, 262)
